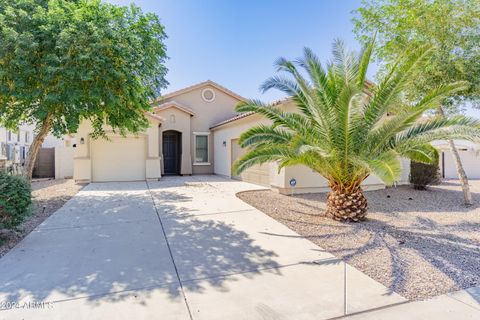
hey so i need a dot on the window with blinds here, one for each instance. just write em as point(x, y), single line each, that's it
point(201, 148)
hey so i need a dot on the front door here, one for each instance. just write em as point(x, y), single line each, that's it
point(171, 152)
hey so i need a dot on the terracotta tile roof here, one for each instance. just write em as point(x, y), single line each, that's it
point(246, 114)
point(154, 116)
point(237, 117)
point(174, 104)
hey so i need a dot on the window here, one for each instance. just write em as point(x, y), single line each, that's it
point(27, 137)
point(10, 151)
point(9, 135)
point(201, 148)
point(18, 135)
point(3, 149)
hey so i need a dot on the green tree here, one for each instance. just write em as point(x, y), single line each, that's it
point(451, 26)
point(343, 129)
point(62, 61)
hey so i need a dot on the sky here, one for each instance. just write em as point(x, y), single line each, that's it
point(236, 42)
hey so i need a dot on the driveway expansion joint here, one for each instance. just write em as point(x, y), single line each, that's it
point(170, 252)
point(98, 295)
point(467, 304)
point(256, 270)
point(40, 229)
point(388, 306)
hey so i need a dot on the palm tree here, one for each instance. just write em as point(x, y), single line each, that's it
point(347, 128)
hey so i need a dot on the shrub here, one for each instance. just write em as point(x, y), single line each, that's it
point(15, 200)
point(422, 175)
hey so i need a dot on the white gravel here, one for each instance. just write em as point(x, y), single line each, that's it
point(420, 244)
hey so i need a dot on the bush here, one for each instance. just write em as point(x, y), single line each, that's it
point(15, 200)
point(422, 175)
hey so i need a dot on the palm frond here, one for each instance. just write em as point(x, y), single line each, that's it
point(262, 134)
point(387, 167)
point(424, 153)
point(261, 155)
point(364, 61)
point(388, 91)
point(342, 132)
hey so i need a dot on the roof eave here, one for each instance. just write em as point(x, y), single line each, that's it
point(199, 85)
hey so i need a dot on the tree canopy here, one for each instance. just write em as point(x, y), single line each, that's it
point(451, 26)
point(66, 60)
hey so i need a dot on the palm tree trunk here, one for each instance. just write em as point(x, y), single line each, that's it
point(344, 205)
point(35, 147)
point(467, 195)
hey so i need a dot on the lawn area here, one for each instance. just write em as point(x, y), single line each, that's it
point(419, 244)
point(48, 197)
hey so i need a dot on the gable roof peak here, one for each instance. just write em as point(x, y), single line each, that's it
point(173, 104)
point(200, 85)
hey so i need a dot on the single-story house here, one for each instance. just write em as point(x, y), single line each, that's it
point(195, 131)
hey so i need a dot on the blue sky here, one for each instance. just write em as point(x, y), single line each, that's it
point(235, 43)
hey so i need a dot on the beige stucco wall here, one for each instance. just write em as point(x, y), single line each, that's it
point(64, 162)
point(223, 155)
point(206, 115)
point(307, 180)
point(82, 161)
point(180, 121)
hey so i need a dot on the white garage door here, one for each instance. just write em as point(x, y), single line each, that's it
point(470, 161)
point(120, 159)
point(258, 174)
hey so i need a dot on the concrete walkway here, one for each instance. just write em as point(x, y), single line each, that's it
point(179, 248)
point(464, 304)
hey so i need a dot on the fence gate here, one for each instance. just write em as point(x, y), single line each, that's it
point(45, 163)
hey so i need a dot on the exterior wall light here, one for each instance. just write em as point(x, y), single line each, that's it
point(224, 143)
point(82, 140)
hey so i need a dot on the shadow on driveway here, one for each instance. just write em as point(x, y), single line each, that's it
point(107, 242)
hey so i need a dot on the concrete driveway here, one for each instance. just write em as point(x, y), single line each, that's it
point(179, 248)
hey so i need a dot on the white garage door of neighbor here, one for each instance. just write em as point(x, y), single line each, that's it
point(258, 174)
point(120, 159)
point(470, 161)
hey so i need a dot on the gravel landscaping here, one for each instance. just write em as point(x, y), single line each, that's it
point(48, 197)
point(419, 244)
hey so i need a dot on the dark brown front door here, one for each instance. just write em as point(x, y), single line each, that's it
point(171, 152)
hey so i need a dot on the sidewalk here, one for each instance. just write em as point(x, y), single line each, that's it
point(464, 304)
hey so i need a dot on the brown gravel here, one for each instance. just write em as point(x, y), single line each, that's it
point(48, 197)
point(419, 244)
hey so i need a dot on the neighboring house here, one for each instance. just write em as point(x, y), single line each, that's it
point(192, 131)
point(14, 144)
point(469, 153)
point(52, 141)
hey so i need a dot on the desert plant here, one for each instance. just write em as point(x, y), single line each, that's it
point(15, 200)
point(453, 26)
point(343, 128)
point(424, 174)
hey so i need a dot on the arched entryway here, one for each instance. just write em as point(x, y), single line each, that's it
point(172, 152)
